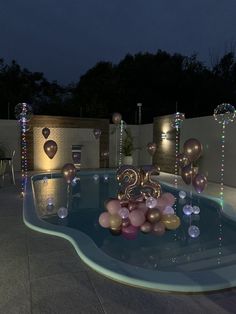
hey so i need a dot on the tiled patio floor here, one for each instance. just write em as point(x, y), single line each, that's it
point(43, 274)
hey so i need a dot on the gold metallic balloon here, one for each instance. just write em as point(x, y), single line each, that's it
point(146, 227)
point(115, 221)
point(171, 222)
point(153, 215)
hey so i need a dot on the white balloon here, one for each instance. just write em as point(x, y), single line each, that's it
point(168, 211)
point(62, 212)
point(188, 210)
point(182, 194)
point(196, 210)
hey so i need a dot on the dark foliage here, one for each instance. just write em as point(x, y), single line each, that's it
point(158, 81)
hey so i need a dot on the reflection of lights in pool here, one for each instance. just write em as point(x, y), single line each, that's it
point(45, 180)
point(62, 212)
point(96, 177)
point(182, 194)
point(196, 210)
point(50, 201)
point(188, 210)
point(193, 231)
point(50, 208)
point(106, 177)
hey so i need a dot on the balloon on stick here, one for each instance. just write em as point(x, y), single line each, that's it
point(192, 149)
point(46, 132)
point(199, 183)
point(69, 172)
point(151, 148)
point(50, 148)
point(116, 118)
point(97, 133)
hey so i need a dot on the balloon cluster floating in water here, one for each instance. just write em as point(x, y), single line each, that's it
point(140, 206)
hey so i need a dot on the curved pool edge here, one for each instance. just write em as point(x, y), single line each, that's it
point(90, 254)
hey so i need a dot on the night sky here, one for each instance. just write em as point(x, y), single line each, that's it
point(64, 38)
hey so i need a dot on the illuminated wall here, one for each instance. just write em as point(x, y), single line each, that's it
point(65, 138)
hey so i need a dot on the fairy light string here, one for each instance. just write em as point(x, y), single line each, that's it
point(121, 142)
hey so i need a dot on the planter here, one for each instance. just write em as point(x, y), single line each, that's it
point(128, 160)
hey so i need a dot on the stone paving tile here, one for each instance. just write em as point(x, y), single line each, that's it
point(15, 298)
point(56, 263)
point(64, 294)
point(39, 243)
point(118, 298)
point(14, 269)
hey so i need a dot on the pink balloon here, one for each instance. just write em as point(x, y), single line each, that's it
point(142, 206)
point(161, 203)
point(69, 172)
point(170, 199)
point(130, 232)
point(46, 132)
point(158, 228)
point(50, 148)
point(104, 220)
point(113, 206)
point(137, 218)
point(132, 205)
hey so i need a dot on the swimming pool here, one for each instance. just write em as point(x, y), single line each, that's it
point(172, 262)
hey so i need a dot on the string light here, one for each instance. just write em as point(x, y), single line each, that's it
point(121, 141)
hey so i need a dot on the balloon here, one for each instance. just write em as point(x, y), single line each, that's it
point(123, 212)
point(146, 227)
point(62, 212)
point(182, 160)
point(199, 183)
point(168, 211)
point(50, 148)
point(104, 220)
point(137, 218)
point(69, 172)
point(158, 228)
point(151, 202)
point(130, 232)
point(177, 120)
point(182, 194)
point(153, 215)
point(196, 210)
point(132, 206)
point(125, 222)
point(142, 206)
point(96, 177)
point(46, 132)
point(115, 221)
point(151, 148)
point(23, 112)
point(186, 174)
point(97, 133)
point(188, 210)
point(224, 113)
point(193, 231)
point(171, 222)
point(116, 118)
point(113, 206)
point(50, 201)
point(192, 149)
point(161, 203)
point(170, 199)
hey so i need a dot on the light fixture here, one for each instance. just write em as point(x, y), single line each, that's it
point(163, 136)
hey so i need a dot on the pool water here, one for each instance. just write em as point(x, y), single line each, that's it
point(175, 251)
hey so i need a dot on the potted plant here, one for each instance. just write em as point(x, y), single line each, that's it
point(128, 148)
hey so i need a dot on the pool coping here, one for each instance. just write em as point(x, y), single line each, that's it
point(187, 282)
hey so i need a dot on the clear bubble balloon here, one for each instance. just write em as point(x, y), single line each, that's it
point(196, 210)
point(177, 120)
point(106, 177)
point(62, 212)
point(151, 202)
point(182, 194)
point(123, 212)
point(188, 210)
point(224, 113)
point(194, 231)
point(23, 112)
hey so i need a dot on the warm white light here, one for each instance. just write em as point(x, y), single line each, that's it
point(163, 136)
